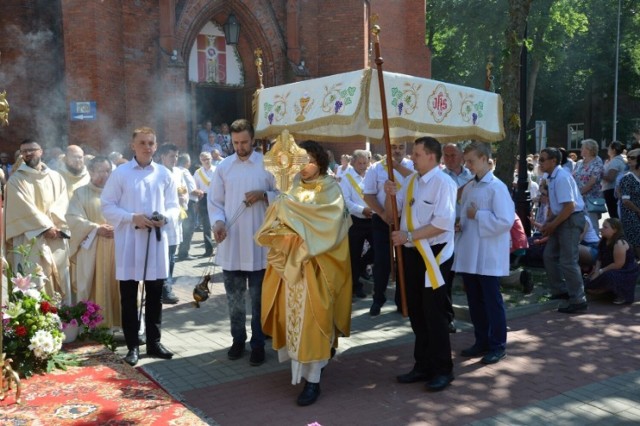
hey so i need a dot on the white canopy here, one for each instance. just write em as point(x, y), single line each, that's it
point(344, 106)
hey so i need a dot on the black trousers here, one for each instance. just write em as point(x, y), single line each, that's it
point(152, 311)
point(612, 202)
point(382, 261)
point(428, 315)
point(359, 232)
point(203, 213)
point(188, 225)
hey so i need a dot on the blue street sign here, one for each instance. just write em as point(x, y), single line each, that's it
point(83, 111)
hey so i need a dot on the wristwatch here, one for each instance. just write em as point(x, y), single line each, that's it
point(409, 236)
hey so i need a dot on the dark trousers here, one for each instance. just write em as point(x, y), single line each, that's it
point(188, 225)
point(487, 312)
point(203, 213)
point(152, 311)
point(448, 283)
point(428, 315)
point(382, 261)
point(236, 284)
point(612, 203)
point(360, 232)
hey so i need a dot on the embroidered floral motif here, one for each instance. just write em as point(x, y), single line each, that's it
point(439, 103)
point(405, 101)
point(336, 98)
point(470, 111)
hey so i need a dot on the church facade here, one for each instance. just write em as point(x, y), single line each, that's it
point(88, 72)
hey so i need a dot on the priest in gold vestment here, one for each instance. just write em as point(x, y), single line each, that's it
point(91, 248)
point(36, 203)
point(306, 292)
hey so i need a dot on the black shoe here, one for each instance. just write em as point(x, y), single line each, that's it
point(439, 382)
point(207, 255)
point(142, 339)
point(257, 357)
point(375, 310)
point(574, 308)
point(187, 257)
point(452, 328)
point(526, 281)
point(132, 357)
point(157, 350)
point(559, 296)
point(309, 394)
point(236, 351)
point(493, 357)
point(171, 299)
point(413, 376)
point(473, 351)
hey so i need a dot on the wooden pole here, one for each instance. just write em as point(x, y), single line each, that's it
point(387, 142)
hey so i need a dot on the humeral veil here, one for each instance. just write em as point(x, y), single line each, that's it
point(306, 292)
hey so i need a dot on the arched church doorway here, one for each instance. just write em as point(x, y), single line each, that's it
point(217, 81)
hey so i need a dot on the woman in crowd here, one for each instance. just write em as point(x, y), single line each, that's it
point(306, 292)
point(588, 174)
point(344, 167)
point(614, 166)
point(616, 269)
point(630, 196)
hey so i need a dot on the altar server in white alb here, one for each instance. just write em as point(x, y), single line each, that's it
point(482, 253)
point(134, 192)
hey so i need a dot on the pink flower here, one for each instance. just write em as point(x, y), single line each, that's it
point(22, 283)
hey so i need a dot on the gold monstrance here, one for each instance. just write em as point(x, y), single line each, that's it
point(285, 160)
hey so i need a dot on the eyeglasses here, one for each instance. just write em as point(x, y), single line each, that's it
point(632, 157)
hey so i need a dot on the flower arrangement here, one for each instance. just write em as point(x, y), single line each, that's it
point(84, 314)
point(32, 330)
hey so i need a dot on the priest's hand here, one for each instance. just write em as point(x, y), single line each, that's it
point(105, 230)
point(472, 210)
point(252, 197)
point(142, 222)
point(219, 231)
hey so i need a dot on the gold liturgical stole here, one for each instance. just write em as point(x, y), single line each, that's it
point(285, 160)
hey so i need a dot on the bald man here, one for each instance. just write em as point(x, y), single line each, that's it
point(73, 170)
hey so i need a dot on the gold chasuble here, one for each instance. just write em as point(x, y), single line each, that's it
point(93, 264)
point(36, 200)
point(306, 292)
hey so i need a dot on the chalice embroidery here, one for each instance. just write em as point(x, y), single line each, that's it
point(304, 105)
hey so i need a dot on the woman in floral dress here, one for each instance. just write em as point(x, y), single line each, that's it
point(588, 175)
point(629, 191)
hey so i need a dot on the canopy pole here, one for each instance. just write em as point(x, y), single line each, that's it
point(387, 142)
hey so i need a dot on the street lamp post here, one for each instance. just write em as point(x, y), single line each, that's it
point(615, 89)
point(523, 202)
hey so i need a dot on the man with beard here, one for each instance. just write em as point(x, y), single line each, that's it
point(374, 196)
point(36, 204)
point(92, 247)
point(73, 171)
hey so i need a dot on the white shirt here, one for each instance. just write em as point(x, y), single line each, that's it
point(484, 242)
point(190, 182)
point(354, 202)
point(563, 189)
point(377, 175)
point(232, 180)
point(174, 225)
point(201, 183)
point(434, 200)
point(340, 172)
point(134, 189)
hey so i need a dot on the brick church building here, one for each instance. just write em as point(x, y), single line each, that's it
point(88, 72)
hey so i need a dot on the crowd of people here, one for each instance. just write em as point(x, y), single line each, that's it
point(99, 230)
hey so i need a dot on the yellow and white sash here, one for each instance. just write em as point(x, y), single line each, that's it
point(432, 275)
point(354, 184)
point(204, 177)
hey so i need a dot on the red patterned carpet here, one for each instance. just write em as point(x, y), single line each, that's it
point(104, 390)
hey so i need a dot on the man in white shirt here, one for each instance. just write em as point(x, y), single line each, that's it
point(352, 184)
point(455, 169)
point(427, 202)
point(188, 225)
point(482, 253)
point(563, 227)
point(203, 177)
point(134, 196)
point(239, 194)
point(374, 196)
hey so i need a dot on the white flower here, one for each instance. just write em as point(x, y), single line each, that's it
point(33, 293)
point(43, 344)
